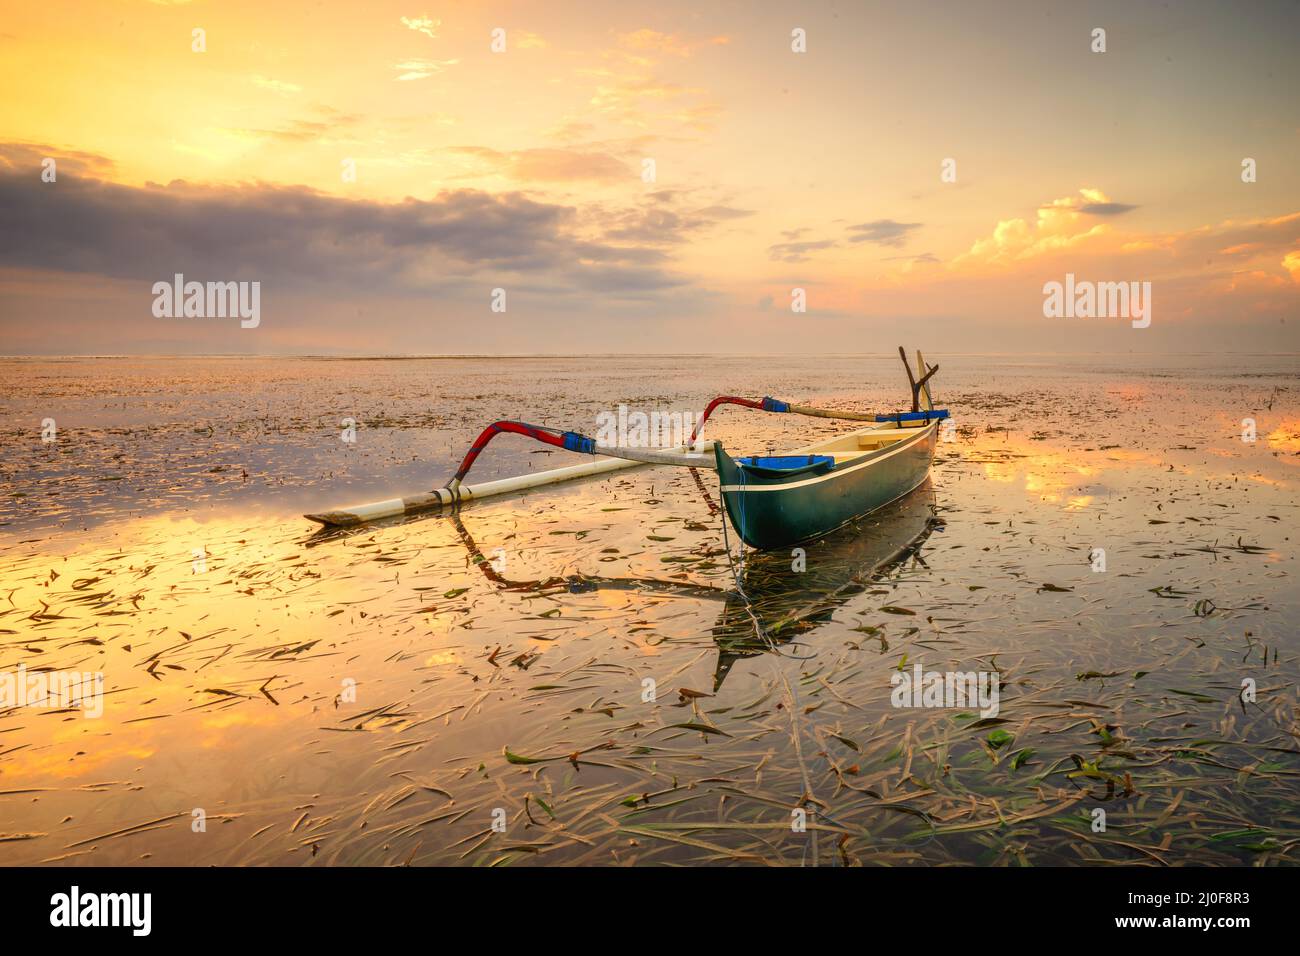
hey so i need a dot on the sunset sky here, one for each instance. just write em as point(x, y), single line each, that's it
point(523, 170)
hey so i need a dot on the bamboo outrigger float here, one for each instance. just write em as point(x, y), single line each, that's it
point(447, 496)
point(771, 501)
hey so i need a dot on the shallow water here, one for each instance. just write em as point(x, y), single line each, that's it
point(383, 696)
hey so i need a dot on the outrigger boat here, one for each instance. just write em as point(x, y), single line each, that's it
point(772, 502)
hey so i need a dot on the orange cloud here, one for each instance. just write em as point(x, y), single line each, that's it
point(276, 86)
point(1061, 224)
point(1291, 263)
point(421, 68)
point(549, 165)
point(423, 24)
point(630, 100)
point(665, 44)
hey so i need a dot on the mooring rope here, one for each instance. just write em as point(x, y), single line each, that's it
point(796, 733)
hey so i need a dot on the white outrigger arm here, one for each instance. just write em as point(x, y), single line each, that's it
point(608, 459)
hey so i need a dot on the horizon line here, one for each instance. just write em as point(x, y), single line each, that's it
point(418, 356)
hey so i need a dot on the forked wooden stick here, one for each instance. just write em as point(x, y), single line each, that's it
point(916, 386)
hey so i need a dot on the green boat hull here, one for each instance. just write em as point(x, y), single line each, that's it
point(770, 510)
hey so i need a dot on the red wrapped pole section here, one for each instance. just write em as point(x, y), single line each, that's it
point(767, 404)
point(518, 428)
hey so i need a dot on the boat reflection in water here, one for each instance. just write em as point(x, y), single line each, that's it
point(775, 601)
point(785, 594)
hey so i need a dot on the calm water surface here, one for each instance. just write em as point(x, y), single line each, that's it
point(579, 663)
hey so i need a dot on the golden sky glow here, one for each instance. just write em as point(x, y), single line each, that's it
point(524, 169)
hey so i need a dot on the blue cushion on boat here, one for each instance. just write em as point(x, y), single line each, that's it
point(787, 462)
point(929, 416)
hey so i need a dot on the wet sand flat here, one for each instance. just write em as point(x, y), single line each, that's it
point(589, 674)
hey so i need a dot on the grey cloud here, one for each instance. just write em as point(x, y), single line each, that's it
point(301, 238)
point(718, 213)
point(658, 226)
point(798, 251)
point(24, 159)
point(1106, 208)
point(624, 280)
point(883, 232)
point(327, 122)
point(928, 257)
